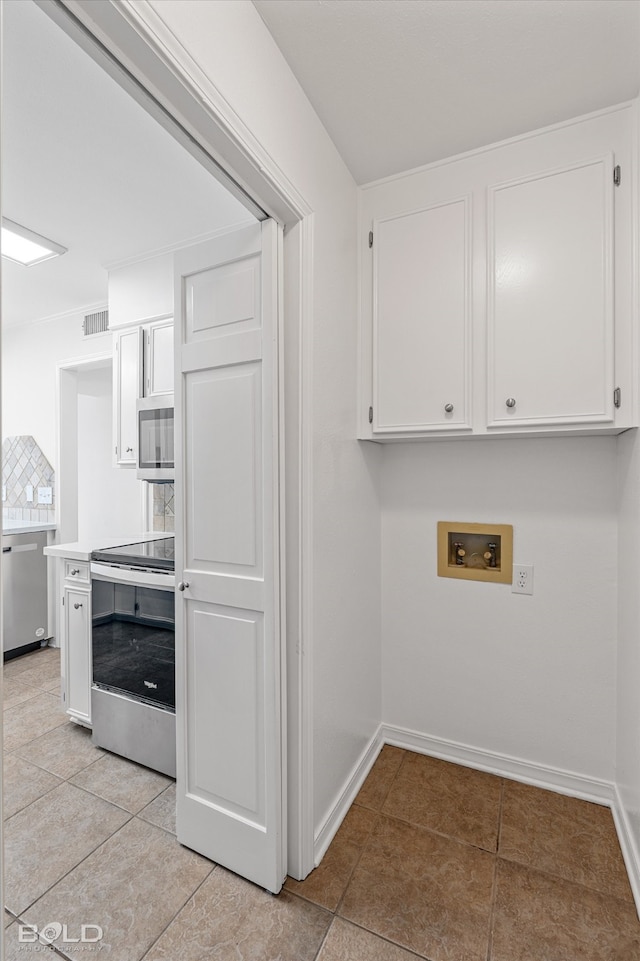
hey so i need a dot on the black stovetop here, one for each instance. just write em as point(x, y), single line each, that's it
point(155, 555)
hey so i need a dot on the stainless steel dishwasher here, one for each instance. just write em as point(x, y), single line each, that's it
point(24, 592)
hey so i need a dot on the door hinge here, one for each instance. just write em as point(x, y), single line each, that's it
point(371, 415)
point(63, 600)
point(616, 175)
point(617, 397)
point(370, 239)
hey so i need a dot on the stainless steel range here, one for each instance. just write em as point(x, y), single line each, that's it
point(133, 645)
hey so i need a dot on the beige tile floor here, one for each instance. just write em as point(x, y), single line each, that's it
point(433, 861)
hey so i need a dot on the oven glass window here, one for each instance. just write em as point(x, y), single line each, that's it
point(133, 640)
point(156, 438)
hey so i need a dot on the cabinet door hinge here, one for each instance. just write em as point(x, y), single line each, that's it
point(63, 600)
point(370, 238)
point(616, 175)
point(617, 397)
point(371, 415)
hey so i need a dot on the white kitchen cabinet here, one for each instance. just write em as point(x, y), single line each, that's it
point(76, 642)
point(143, 367)
point(550, 298)
point(158, 358)
point(422, 297)
point(492, 302)
point(128, 373)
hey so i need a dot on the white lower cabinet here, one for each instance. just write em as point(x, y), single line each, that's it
point(497, 289)
point(76, 643)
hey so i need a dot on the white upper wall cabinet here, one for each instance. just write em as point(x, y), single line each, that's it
point(127, 387)
point(550, 298)
point(140, 302)
point(422, 297)
point(492, 302)
point(143, 367)
point(158, 358)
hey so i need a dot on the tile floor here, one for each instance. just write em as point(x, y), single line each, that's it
point(433, 861)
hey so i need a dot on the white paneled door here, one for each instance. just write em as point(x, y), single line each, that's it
point(229, 661)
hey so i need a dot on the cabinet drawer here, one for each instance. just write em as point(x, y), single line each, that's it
point(77, 571)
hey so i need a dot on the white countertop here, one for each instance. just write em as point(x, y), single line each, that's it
point(82, 550)
point(26, 527)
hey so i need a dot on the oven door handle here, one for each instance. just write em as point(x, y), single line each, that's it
point(123, 575)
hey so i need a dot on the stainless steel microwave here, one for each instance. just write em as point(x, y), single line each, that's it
point(155, 438)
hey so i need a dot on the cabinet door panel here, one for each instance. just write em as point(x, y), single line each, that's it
point(421, 320)
point(550, 305)
point(127, 389)
point(77, 653)
point(160, 359)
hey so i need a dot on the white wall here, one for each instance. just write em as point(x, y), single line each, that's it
point(30, 353)
point(231, 44)
point(109, 498)
point(628, 659)
point(469, 662)
point(628, 664)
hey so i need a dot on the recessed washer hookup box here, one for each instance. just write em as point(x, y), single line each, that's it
point(477, 552)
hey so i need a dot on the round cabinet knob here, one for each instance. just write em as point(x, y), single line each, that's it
point(448, 408)
point(76, 605)
point(183, 585)
point(74, 570)
point(511, 402)
point(129, 450)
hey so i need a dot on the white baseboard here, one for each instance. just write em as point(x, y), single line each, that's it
point(553, 779)
point(345, 799)
point(628, 844)
point(516, 769)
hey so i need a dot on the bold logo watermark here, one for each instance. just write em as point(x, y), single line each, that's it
point(54, 931)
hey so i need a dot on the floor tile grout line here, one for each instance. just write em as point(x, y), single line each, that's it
point(10, 707)
point(439, 834)
point(564, 880)
point(356, 863)
point(324, 938)
point(395, 776)
point(132, 814)
point(15, 675)
point(36, 690)
point(77, 865)
point(395, 944)
point(46, 769)
point(214, 867)
point(19, 920)
point(39, 798)
point(494, 881)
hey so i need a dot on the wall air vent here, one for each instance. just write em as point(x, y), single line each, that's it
point(95, 323)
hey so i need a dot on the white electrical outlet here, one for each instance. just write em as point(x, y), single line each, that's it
point(45, 495)
point(522, 579)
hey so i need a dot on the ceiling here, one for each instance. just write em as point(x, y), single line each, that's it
point(84, 165)
point(401, 83)
point(397, 83)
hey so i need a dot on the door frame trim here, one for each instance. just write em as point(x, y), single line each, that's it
point(131, 41)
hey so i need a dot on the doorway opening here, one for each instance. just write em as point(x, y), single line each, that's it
point(116, 262)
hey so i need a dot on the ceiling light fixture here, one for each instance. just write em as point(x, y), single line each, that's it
point(24, 246)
